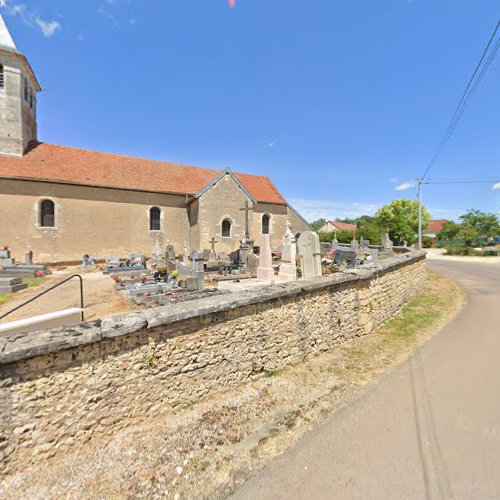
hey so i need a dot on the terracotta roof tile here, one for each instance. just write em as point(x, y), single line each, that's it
point(435, 225)
point(344, 226)
point(49, 162)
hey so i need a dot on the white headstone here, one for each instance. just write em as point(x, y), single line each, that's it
point(288, 266)
point(265, 270)
point(310, 255)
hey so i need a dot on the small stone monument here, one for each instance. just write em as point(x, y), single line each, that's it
point(265, 270)
point(213, 255)
point(88, 262)
point(244, 251)
point(310, 255)
point(157, 245)
point(185, 255)
point(169, 251)
point(197, 280)
point(387, 245)
point(28, 257)
point(5, 258)
point(335, 241)
point(364, 243)
point(355, 244)
point(252, 264)
point(288, 266)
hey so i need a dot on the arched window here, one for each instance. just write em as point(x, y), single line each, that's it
point(26, 89)
point(154, 219)
point(265, 224)
point(2, 79)
point(47, 217)
point(226, 228)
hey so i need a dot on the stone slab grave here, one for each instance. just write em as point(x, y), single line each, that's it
point(11, 285)
point(136, 262)
point(345, 258)
point(265, 271)
point(139, 289)
point(19, 270)
point(288, 266)
point(310, 255)
point(88, 262)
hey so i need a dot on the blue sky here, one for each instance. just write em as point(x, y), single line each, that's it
point(338, 101)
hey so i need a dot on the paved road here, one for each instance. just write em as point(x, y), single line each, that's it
point(429, 429)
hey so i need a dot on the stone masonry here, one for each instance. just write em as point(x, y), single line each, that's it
point(64, 387)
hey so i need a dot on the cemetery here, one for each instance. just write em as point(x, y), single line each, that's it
point(172, 276)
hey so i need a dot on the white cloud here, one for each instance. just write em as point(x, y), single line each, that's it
point(406, 185)
point(496, 186)
point(394, 180)
point(313, 210)
point(48, 27)
point(30, 17)
point(271, 145)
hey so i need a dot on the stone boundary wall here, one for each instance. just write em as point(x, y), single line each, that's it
point(63, 387)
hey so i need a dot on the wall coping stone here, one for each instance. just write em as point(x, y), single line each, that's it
point(29, 345)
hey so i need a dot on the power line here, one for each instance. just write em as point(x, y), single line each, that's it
point(468, 92)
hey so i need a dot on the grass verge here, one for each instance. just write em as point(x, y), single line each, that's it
point(30, 281)
point(398, 338)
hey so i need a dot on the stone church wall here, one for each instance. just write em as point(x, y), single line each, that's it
point(95, 221)
point(61, 388)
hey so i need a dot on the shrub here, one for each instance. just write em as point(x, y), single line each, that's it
point(428, 242)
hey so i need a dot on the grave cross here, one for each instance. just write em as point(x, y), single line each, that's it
point(246, 210)
point(213, 242)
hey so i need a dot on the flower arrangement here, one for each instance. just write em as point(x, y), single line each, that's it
point(40, 274)
point(175, 274)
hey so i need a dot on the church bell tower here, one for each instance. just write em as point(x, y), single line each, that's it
point(18, 88)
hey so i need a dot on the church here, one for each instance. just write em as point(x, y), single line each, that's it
point(61, 202)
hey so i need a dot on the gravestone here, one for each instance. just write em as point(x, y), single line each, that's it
point(355, 244)
point(11, 285)
point(364, 243)
point(198, 261)
point(252, 264)
point(213, 255)
point(137, 259)
point(265, 270)
point(185, 254)
point(310, 256)
point(288, 266)
point(156, 255)
point(335, 241)
point(169, 252)
point(184, 270)
point(172, 265)
point(345, 258)
point(28, 257)
point(244, 251)
point(88, 262)
point(387, 245)
point(5, 258)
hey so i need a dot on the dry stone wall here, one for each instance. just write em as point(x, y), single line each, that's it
point(64, 387)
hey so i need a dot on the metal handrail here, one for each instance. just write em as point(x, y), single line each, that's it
point(47, 291)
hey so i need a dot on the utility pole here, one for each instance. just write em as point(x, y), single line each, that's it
point(419, 183)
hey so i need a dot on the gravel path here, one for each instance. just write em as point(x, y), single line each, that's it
point(100, 297)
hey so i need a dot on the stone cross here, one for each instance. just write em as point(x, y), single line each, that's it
point(247, 225)
point(212, 255)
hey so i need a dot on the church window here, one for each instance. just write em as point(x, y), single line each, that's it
point(2, 80)
point(26, 89)
point(265, 224)
point(31, 98)
point(226, 228)
point(47, 217)
point(154, 219)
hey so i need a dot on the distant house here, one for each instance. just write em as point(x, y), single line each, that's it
point(434, 227)
point(333, 225)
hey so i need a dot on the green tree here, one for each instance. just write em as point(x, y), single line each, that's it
point(401, 217)
point(449, 231)
point(485, 224)
point(318, 224)
point(342, 236)
point(468, 234)
point(371, 231)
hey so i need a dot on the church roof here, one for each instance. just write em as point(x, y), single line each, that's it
point(6, 41)
point(61, 164)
